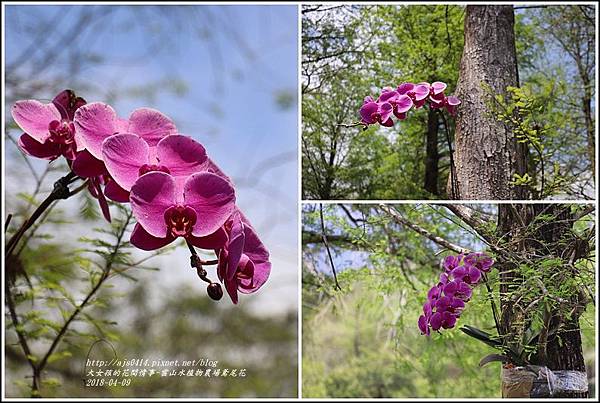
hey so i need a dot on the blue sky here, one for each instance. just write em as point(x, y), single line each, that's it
point(231, 64)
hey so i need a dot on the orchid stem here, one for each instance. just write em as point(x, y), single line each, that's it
point(365, 126)
point(197, 263)
point(7, 222)
point(202, 262)
point(60, 191)
point(453, 179)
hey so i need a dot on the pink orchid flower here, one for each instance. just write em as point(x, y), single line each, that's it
point(49, 130)
point(59, 139)
point(196, 213)
point(244, 261)
point(417, 93)
point(97, 121)
point(128, 156)
point(451, 103)
point(401, 103)
point(373, 112)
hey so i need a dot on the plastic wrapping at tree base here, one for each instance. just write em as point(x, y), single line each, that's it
point(541, 382)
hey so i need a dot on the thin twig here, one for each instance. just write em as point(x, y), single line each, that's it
point(337, 285)
point(21, 337)
point(87, 299)
point(440, 241)
point(364, 125)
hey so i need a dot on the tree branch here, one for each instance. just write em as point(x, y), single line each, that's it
point(440, 241)
point(327, 247)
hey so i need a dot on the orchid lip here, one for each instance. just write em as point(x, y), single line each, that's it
point(61, 132)
point(180, 220)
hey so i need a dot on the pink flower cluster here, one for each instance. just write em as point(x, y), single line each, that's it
point(446, 300)
point(399, 101)
point(174, 188)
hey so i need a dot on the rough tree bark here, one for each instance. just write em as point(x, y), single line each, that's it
point(563, 349)
point(487, 153)
point(487, 156)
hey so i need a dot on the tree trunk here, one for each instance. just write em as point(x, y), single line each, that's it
point(433, 156)
point(563, 349)
point(487, 153)
point(589, 122)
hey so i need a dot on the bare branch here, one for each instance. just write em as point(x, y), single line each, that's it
point(327, 247)
point(439, 240)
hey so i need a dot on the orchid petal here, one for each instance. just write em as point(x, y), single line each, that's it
point(66, 102)
point(387, 94)
point(235, 246)
point(404, 88)
point(216, 240)
point(87, 166)
point(182, 155)
point(438, 87)
point(367, 111)
point(93, 123)
point(403, 103)
point(452, 100)
point(258, 254)
point(31, 146)
point(124, 155)
point(421, 92)
point(385, 111)
point(143, 240)
point(213, 199)
point(115, 192)
point(34, 117)
point(151, 125)
point(101, 199)
point(151, 195)
point(232, 287)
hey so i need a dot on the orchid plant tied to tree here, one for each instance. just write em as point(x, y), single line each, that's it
point(446, 300)
point(174, 189)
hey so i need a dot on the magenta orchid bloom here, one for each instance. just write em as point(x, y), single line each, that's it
point(458, 289)
point(451, 103)
point(244, 262)
point(449, 304)
point(97, 121)
point(479, 260)
point(437, 88)
point(196, 213)
point(446, 300)
point(451, 262)
point(374, 112)
point(467, 274)
point(417, 93)
point(423, 324)
point(400, 103)
point(441, 101)
point(402, 99)
point(59, 139)
point(49, 130)
point(174, 189)
point(128, 156)
point(443, 319)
